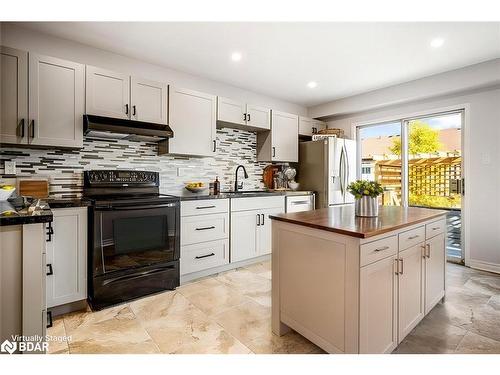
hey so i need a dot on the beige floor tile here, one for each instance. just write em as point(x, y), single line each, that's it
point(476, 344)
point(217, 299)
point(291, 343)
point(196, 286)
point(115, 331)
point(246, 322)
point(57, 337)
point(431, 338)
point(249, 284)
point(79, 319)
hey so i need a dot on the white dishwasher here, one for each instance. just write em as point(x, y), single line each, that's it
point(298, 203)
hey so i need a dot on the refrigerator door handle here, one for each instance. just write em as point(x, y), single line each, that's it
point(342, 172)
point(347, 167)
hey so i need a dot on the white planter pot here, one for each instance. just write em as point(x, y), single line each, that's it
point(366, 207)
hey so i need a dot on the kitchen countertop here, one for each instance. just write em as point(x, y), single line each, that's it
point(343, 221)
point(20, 214)
point(187, 196)
point(68, 202)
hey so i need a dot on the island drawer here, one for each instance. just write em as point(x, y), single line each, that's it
point(376, 250)
point(195, 229)
point(411, 238)
point(205, 206)
point(435, 228)
point(202, 256)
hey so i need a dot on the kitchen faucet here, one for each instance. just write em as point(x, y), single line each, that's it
point(237, 185)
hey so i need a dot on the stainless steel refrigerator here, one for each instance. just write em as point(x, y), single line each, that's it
point(327, 166)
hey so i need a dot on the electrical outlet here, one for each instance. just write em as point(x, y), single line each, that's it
point(10, 168)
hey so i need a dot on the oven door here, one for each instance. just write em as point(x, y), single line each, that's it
point(130, 237)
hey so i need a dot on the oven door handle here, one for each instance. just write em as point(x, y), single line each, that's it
point(130, 208)
point(136, 275)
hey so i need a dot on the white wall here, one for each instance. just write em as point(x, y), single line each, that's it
point(482, 169)
point(25, 39)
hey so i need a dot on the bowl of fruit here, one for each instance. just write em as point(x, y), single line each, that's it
point(195, 187)
point(6, 191)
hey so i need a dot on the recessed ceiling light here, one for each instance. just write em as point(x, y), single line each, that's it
point(312, 84)
point(236, 56)
point(437, 42)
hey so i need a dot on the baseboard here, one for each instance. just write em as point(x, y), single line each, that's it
point(226, 267)
point(484, 266)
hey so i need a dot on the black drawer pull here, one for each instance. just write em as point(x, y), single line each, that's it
point(51, 271)
point(206, 228)
point(21, 124)
point(203, 207)
point(49, 319)
point(204, 256)
point(50, 232)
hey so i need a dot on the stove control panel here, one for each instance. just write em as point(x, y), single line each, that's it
point(120, 177)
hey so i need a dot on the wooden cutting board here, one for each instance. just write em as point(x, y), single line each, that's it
point(268, 174)
point(34, 188)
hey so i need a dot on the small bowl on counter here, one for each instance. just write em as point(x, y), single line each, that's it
point(6, 191)
point(293, 185)
point(196, 187)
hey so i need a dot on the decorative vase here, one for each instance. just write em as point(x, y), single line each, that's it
point(366, 207)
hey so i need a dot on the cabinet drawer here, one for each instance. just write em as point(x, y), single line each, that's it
point(195, 229)
point(411, 238)
point(204, 255)
point(203, 207)
point(376, 250)
point(299, 203)
point(435, 228)
point(257, 203)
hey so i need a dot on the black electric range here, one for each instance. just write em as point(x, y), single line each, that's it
point(134, 236)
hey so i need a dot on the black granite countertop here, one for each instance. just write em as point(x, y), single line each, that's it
point(187, 196)
point(15, 212)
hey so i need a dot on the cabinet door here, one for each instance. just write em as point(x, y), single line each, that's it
point(258, 117)
point(13, 96)
point(285, 137)
point(306, 126)
point(411, 289)
point(67, 255)
point(230, 111)
point(434, 271)
point(149, 100)
point(56, 101)
point(192, 117)
point(264, 232)
point(244, 235)
point(107, 93)
point(378, 307)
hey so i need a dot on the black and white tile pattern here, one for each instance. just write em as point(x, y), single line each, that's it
point(64, 168)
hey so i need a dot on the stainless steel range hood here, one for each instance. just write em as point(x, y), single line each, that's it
point(115, 128)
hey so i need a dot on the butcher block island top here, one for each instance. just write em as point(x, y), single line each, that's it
point(356, 285)
point(343, 221)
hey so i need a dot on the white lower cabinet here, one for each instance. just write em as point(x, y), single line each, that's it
point(204, 234)
point(435, 262)
point(398, 288)
point(378, 325)
point(411, 289)
point(67, 257)
point(251, 227)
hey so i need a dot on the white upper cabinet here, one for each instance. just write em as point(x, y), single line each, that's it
point(309, 126)
point(258, 117)
point(192, 117)
point(231, 111)
point(239, 115)
point(56, 101)
point(148, 100)
point(107, 93)
point(281, 144)
point(13, 96)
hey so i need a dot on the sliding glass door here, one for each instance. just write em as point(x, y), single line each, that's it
point(418, 162)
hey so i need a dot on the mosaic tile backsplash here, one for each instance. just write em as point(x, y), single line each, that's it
point(64, 168)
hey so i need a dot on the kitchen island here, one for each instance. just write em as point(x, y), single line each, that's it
point(352, 284)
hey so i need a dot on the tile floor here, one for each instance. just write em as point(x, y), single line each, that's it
point(231, 313)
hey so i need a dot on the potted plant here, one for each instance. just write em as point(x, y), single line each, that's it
point(365, 193)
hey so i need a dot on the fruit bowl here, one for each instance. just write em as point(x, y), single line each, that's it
point(6, 191)
point(195, 187)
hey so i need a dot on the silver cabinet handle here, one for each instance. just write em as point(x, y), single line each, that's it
point(381, 249)
point(396, 263)
point(428, 254)
point(300, 202)
point(413, 237)
point(401, 260)
point(424, 250)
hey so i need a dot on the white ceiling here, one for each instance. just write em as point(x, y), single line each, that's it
point(279, 59)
